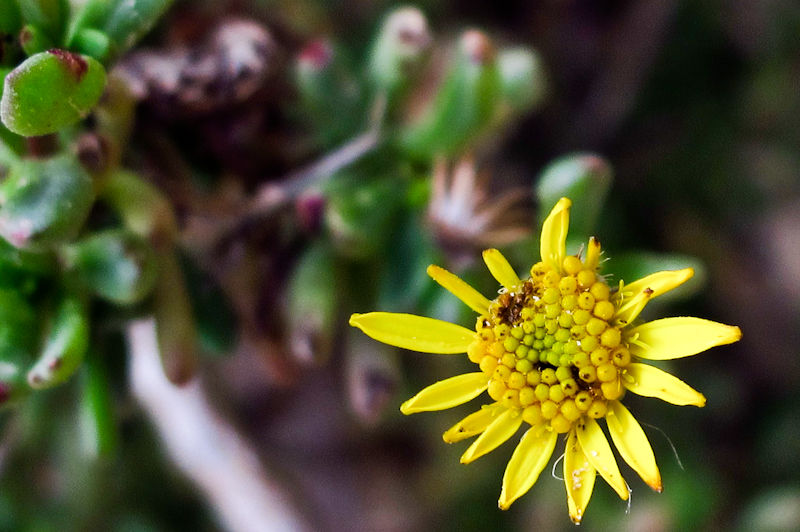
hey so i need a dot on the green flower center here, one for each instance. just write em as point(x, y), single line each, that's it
point(551, 348)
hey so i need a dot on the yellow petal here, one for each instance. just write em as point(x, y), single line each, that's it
point(670, 338)
point(593, 254)
point(471, 297)
point(659, 283)
point(473, 424)
point(649, 381)
point(598, 452)
point(632, 444)
point(447, 393)
point(526, 464)
point(579, 475)
point(500, 268)
point(554, 234)
point(631, 308)
point(495, 434)
point(416, 333)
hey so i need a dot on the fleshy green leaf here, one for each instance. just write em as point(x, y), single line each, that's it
point(115, 264)
point(19, 337)
point(128, 20)
point(49, 91)
point(65, 346)
point(44, 201)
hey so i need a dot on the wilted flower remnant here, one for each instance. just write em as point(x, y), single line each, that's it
point(558, 351)
point(464, 217)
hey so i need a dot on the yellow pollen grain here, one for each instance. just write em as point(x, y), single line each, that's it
point(503, 372)
point(597, 410)
point(532, 415)
point(542, 392)
point(549, 409)
point(570, 410)
point(567, 285)
point(524, 366)
point(496, 350)
point(557, 393)
point(511, 399)
point(583, 400)
point(581, 316)
point(517, 380)
point(550, 279)
point(563, 373)
point(607, 373)
point(600, 291)
point(488, 364)
point(526, 396)
point(600, 356)
point(610, 337)
point(496, 390)
point(561, 424)
point(604, 310)
point(570, 387)
point(476, 351)
point(621, 357)
point(534, 378)
point(612, 390)
point(587, 374)
point(569, 302)
point(585, 278)
point(586, 301)
point(596, 326)
point(572, 265)
point(510, 344)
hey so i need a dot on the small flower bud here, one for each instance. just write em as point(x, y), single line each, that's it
point(465, 103)
point(313, 300)
point(398, 49)
point(372, 377)
point(329, 95)
point(522, 79)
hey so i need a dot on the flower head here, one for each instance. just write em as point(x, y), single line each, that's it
point(556, 351)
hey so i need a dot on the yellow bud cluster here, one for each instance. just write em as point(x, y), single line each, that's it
point(550, 348)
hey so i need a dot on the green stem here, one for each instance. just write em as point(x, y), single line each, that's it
point(146, 211)
point(100, 434)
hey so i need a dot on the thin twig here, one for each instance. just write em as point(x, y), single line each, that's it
point(271, 197)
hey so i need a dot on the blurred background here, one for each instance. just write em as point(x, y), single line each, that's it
point(319, 155)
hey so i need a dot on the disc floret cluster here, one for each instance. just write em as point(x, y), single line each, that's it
point(551, 347)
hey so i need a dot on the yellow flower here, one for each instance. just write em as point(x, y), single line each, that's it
point(556, 351)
